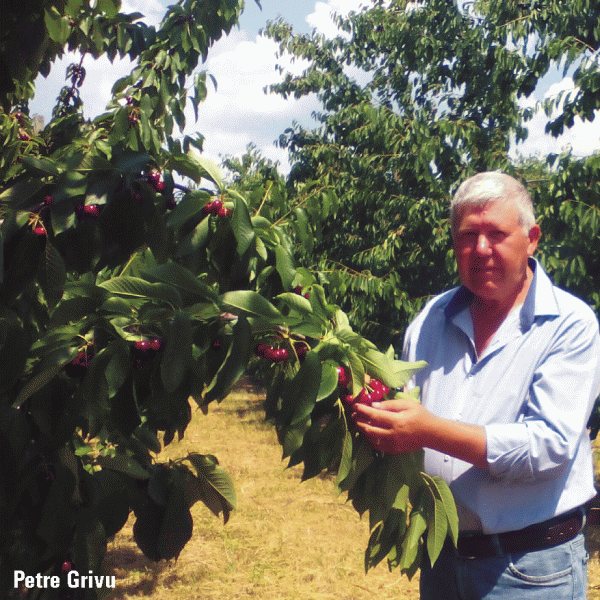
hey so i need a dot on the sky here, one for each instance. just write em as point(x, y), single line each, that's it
point(238, 112)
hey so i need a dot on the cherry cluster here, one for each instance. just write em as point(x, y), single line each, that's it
point(38, 225)
point(216, 208)
point(278, 355)
point(40, 230)
point(378, 389)
point(155, 181)
point(144, 350)
point(79, 365)
point(88, 210)
point(298, 290)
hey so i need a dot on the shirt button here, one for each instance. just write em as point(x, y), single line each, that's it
point(446, 458)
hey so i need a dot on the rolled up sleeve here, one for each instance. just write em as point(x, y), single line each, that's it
point(560, 399)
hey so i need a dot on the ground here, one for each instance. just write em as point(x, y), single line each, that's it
point(286, 541)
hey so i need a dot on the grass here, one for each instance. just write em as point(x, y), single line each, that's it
point(287, 540)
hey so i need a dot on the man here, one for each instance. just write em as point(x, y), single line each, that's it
point(513, 371)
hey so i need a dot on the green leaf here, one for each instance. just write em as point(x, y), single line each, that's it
point(437, 529)
point(178, 276)
point(304, 390)
point(191, 205)
point(41, 167)
point(52, 273)
point(177, 524)
point(212, 485)
point(329, 381)
point(73, 7)
point(110, 7)
point(58, 26)
point(384, 537)
point(134, 287)
point(122, 463)
point(19, 194)
point(412, 539)
point(284, 263)
point(296, 302)
point(45, 372)
point(251, 304)
point(235, 363)
point(204, 169)
point(346, 459)
point(393, 373)
point(241, 226)
point(178, 352)
point(194, 241)
point(357, 370)
point(443, 493)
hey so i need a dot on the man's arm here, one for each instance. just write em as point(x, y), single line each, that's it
point(395, 426)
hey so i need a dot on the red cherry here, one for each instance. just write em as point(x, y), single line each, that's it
point(262, 350)
point(379, 390)
point(92, 210)
point(215, 207)
point(78, 366)
point(347, 399)
point(364, 397)
point(307, 295)
point(24, 137)
point(343, 377)
point(298, 290)
point(40, 231)
point(155, 344)
point(301, 350)
point(142, 345)
point(66, 566)
point(281, 355)
point(223, 212)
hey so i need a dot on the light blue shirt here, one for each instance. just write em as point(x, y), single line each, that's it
point(533, 389)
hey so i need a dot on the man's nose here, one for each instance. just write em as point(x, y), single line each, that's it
point(483, 244)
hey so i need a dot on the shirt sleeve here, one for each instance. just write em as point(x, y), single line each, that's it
point(554, 418)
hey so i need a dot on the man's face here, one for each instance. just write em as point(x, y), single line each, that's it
point(492, 250)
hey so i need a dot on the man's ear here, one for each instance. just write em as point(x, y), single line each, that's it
point(535, 233)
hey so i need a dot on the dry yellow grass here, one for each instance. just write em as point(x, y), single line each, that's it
point(286, 541)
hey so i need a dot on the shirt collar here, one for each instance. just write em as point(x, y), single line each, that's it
point(540, 299)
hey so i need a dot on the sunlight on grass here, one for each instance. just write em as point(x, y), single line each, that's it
point(287, 540)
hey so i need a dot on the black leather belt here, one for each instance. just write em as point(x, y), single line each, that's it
point(535, 537)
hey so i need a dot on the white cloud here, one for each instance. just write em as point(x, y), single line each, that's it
point(321, 20)
point(101, 74)
point(239, 111)
point(583, 138)
point(152, 10)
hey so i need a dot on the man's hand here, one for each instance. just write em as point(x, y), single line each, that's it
point(404, 425)
point(393, 426)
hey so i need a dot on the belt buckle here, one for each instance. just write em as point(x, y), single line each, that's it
point(481, 546)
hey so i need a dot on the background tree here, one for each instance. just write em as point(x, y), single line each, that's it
point(417, 97)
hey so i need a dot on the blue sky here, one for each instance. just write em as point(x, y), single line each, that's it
point(239, 112)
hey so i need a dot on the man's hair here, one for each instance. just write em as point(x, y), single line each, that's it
point(493, 186)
